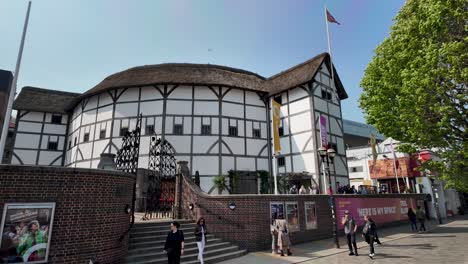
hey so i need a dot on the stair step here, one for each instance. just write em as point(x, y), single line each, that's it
point(162, 239)
point(163, 222)
point(158, 252)
point(165, 227)
point(157, 257)
point(207, 260)
point(143, 233)
point(155, 247)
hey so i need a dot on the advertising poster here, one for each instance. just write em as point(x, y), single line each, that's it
point(26, 231)
point(276, 209)
point(310, 215)
point(381, 210)
point(292, 216)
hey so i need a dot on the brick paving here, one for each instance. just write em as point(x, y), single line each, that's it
point(441, 244)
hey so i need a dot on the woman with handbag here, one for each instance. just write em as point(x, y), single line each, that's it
point(283, 235)
point(369, 232)
point(274, 236)
point(200, 236)
point(174, 246)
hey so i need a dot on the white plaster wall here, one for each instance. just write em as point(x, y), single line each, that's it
point(206, 165)
point(181, 92)
point(300, 122)
point(235, 144)
point(150, 93)
point(54, 129)
point(29, 126)
point(92, 103)
point(283, 110)
point(298, 142)
point(129, 95)
point(228, 164)
point(201, 144)
point(262, 164)
point(126, 110)
point(151, 107)
point(105, 99)
point(203, 92)
point(304, 162)
point(178, 107)
point(26, 156)
point(103, 114)
point(233, 110)
point(284, 142)
point(340, 166)
point(299, 106)
point(88, 117)
point(320, 104)
point(256, 113)
point(254, 146)
point(206, 108)
point(245, 163)
point(33, 116)
point(235, 95)
point(335, 128)
point(46, 158)
point(99, 147)
point(253, 99)
point(334, 110)
point(181, 144)
point(297, 93)
point(26, 141)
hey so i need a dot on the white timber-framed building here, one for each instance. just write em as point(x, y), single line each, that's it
point(215, 117)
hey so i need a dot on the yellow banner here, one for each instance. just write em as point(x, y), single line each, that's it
point(276, 107)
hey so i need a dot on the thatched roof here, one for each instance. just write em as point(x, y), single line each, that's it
point(38, 99)
point(44, 100)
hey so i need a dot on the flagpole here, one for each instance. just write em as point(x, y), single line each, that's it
point(329, 45)
point(275, 167)
point(395, 167)
point(11, 98)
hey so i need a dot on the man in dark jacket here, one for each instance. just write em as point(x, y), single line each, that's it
point(369, 232)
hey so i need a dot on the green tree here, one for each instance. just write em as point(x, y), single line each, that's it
point(415, 87)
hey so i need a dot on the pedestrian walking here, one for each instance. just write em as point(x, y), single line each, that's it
point(274, 236)
point(412, 218)
point(350, 229)
point(200, 237)
point(283, 235)
point(174, 246)
point(421, 219)
point(369, 233)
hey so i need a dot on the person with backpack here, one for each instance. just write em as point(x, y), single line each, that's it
point(369, 233)
point(283, 235)
point(412, 218)
point(421, 219)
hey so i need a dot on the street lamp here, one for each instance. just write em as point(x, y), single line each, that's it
point(436, 200)
point(327, 156)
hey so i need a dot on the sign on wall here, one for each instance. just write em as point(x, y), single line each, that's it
point(323, 131)
point(381, 210)
point(26, 231)
point(292, 216)
point(310, 209)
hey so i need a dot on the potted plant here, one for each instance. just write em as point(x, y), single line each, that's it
point(219, 183)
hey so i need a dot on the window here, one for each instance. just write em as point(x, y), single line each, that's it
point(149, 130)
point(281, 162)
point(256, 133)
point(86, 137)
point(10, 134)
point(357, 169)
point(74, 143)
point(206, 129)
point(278, 99)
point(69, 144)
point(281, 131)
point(123, 131)
point(326, 95)
point(232, 131)
point(56, 119)
point(178, 129)
point(52, 145)
point(102, 134)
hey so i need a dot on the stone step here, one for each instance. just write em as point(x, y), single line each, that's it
point(166, 222)
point(157, 257)
point(158, 252)
point(150, 232)
point(143, 247)
point(157, 227)
point(162, 238)
point(208, 260)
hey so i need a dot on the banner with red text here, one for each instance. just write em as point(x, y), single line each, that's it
point(381, 210)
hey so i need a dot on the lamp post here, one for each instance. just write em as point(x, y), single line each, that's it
point(327, 156)
point(436, 200)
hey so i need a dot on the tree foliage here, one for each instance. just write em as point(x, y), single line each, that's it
point(415, 87)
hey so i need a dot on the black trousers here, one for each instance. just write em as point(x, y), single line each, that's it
point(371, 244)
point(422, 226)
point(352, 242)
point(173, 257)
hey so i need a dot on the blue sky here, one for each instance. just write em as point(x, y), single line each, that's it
point(72, 45)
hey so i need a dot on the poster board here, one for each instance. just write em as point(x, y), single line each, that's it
point(276, 209)
point(292, 216)
point(310, 209)
point(26, 230)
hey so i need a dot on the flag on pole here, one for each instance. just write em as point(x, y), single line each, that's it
point(374, 149)
point(276, 108)
point(397, 164)
point(331, 19)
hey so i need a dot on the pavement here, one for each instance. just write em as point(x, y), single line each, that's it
point(444, 243)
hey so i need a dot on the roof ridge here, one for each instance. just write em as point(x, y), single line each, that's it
point(32, 88)
point(297, 66)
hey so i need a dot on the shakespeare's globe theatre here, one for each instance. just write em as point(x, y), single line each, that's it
point(215, 117)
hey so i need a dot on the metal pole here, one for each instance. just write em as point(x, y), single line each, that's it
point(396, 174)
point(329, 45)
point(13, 87)
point(332, 206)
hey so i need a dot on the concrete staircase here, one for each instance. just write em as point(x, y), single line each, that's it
point(147, 242)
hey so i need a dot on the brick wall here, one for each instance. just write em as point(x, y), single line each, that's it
point(248, 225)
point(89, 213)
